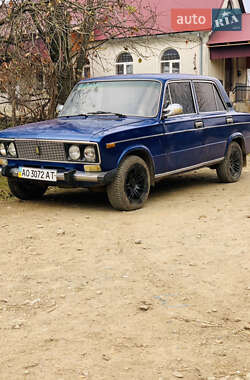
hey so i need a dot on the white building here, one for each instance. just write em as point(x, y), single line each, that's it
point(191, 52)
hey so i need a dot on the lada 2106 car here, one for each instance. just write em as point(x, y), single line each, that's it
point(126, 132)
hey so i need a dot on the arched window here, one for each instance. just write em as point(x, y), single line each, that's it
point(124, 64)
point(170, 61)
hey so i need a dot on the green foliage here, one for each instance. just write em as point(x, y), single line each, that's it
point(131, 9)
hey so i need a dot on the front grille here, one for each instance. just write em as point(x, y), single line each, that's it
point(41, 150)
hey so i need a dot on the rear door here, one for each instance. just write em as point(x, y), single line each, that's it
point(216, 120)
point(183, 141)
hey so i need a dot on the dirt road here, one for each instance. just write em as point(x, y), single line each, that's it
point(161, 293)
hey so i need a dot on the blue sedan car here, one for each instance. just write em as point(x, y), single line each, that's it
point(124, 133)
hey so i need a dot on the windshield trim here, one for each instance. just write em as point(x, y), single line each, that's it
point(127, 80)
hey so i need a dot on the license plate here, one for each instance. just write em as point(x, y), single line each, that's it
point(37, 174)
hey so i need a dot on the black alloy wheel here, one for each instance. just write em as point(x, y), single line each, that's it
point(136, 184)
point(130, 187)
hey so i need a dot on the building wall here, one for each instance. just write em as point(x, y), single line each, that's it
point(240, 74)
point(147, 52)
point(214, 68)
point(235, 4)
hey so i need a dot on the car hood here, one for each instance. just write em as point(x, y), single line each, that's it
point(70, 128)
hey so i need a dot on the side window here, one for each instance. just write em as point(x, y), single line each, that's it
point(208, 97)
point(167, 99)
point(180, 93)
point(220, 105)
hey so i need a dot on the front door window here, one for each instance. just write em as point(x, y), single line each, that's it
point(180, 93)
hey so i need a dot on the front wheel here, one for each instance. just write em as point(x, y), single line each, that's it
point(26, 189)
point(130, 188)
point(229, 170)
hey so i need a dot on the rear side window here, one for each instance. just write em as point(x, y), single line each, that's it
point(220, 105)
point(181, 93)
point(208, 98)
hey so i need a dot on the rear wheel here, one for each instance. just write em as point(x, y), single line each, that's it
point(130, 188)
point(229, 170)
point(26, 189)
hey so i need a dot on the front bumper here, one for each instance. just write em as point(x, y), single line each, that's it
point(70, 177)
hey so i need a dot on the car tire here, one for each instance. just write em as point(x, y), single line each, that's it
point(229, 170)
point(25, 189)
point(131, 185)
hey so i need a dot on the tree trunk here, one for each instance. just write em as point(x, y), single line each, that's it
point(13, 107)
point(65, 83)
point(53, 94)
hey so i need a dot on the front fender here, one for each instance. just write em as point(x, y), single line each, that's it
point(143, 152)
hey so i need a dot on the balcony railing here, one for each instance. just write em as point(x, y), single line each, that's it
point(242, 93)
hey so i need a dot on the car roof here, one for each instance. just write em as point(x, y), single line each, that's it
point(161, 77)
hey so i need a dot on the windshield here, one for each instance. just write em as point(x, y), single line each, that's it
point(124, 97)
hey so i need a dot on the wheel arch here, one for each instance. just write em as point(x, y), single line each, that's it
point(238, 137)
point(145, 154)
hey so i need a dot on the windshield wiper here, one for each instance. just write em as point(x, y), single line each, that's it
point(79, 114)
point(106, 113)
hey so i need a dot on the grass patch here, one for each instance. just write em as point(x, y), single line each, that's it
point(4, 189)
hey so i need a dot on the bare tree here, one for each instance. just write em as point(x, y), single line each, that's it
point(52, 40)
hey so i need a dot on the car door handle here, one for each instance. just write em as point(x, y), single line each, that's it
point(198, 124)
point(229, 120)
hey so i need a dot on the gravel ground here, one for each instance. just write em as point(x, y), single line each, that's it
point(162, 293)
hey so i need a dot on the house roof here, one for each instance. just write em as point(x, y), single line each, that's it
point(161, 10)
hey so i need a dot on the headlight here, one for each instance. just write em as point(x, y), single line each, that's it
point(89, 153)
point(2, 150)
point(12, 149)
point(74, 152)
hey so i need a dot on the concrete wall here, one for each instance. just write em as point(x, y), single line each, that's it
point(215, 68)
point(242, 107)
point(240, 72)
point(5, 108)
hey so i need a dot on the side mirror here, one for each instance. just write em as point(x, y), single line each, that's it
point(59, 107)
point(172, 110)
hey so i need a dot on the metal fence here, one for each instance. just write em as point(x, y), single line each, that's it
point(242, 93)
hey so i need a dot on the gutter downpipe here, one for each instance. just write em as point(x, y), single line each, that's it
point(201, 53)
